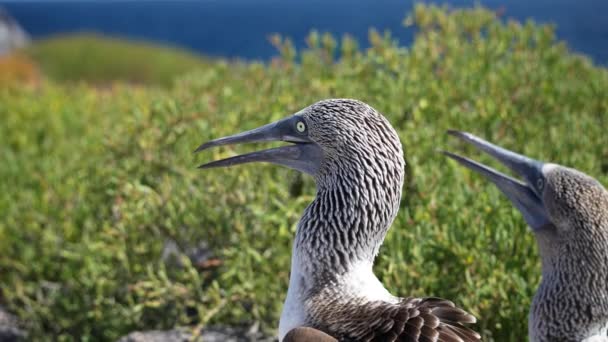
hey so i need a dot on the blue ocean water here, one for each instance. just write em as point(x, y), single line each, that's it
point(240, 28)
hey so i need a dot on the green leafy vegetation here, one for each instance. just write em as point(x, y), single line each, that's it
point(95, 181)
point(99, 60)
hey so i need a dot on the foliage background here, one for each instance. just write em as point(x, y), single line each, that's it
point(97, 177)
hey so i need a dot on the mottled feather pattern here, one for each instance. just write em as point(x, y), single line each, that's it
point(354, 206)
point(410, 319)
point(572, 299)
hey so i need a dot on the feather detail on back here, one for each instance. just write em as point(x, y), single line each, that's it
point(411, 319)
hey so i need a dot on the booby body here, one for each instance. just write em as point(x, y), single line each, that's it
point(356, 159)
point(567, 211)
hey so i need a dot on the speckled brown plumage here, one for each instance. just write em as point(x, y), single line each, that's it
point(410, 319)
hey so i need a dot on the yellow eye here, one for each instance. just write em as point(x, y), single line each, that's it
point(301, 126)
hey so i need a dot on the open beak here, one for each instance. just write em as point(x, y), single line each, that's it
point(304, 155)
point(525, 195)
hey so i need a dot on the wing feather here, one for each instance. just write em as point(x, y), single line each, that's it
point(410, 320)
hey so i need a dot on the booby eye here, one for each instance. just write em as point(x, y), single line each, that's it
point(301, 126)
point(540, 184)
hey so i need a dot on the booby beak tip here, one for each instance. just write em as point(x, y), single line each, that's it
point(203, 147)
point(203, 166)
point(444, 152)
point(448, 153)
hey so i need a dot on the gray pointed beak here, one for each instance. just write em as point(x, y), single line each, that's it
point(304, 155)
point(525, 195)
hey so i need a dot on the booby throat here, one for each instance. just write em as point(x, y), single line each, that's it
point(356, 159)
point(567, 211)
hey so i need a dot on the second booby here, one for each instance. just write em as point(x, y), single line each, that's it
point(567, 211)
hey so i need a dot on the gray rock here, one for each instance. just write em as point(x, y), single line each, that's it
point(157, 336)
point(12, 36)
point(9, 327)
point(210, 334)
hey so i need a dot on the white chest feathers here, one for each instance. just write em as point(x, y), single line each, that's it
point(360, 282)
point(598, 334)
point(293, 314)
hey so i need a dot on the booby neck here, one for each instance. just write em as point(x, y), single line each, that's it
point(340, 233)
point(573, 290)
point(347, 221)
point(572, 255)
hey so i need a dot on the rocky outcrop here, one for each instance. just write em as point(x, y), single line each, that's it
point(211, 334)
point(12, 36)
point(157, 336)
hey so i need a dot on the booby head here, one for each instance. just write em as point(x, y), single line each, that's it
point(576, 203)
point(334, 135)
point(550, 197)
point(356, 159)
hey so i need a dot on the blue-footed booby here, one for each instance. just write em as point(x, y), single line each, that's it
point(356, 160)
point(567, 211)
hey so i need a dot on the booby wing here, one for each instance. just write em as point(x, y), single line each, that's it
point(411, 319)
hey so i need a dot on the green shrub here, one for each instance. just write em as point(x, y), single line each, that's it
point(100, 60)
point(95, 180)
